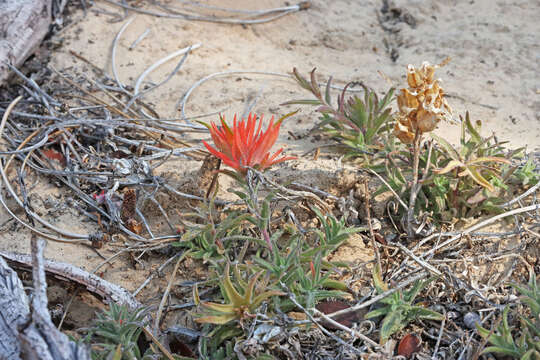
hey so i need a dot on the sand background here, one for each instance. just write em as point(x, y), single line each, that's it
point(494, 47)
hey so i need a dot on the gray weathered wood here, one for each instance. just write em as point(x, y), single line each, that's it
point(31, 335)
point(93, 283)
point(13, 311)
point(23, 25)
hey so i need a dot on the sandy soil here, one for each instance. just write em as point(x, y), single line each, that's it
point(493, 74)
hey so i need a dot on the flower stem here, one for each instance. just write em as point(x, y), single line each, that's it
point(414, 190)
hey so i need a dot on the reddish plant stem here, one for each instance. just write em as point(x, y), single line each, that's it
point(268, 240)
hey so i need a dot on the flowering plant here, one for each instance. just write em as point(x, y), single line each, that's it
point(422, 105)
point(246, 144)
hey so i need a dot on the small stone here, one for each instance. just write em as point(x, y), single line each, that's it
point(470, 319)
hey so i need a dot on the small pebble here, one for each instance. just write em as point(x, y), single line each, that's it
point(470, 319)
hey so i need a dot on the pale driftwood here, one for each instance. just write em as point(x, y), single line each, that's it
point(93, 283)
point(31, 335)
point(13, 309)
point(23, 25)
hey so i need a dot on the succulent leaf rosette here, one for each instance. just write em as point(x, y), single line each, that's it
point(422, 105)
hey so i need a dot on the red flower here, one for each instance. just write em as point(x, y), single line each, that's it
point(246, 145)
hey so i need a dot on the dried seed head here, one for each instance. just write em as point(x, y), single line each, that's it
point(407, 101)
point(422, 106)
point(402, 131)
point(426, 120)
point(414, 79)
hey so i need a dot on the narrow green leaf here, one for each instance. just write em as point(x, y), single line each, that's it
point(416, 288)
point(314, 85)
point(230, 291)
point(118, 353)
point(391, 324)
point(251, 286)
point(195, 294)
point(482, 331)
point(303, 102)
point(378, 123)
point(423, 313)
point(216, 319)
point(449, 167)
point(265, 295)
point(222, 308)
point(475, 135)
point(378, 312)
point(386, 99)
point(501, 350)
point(490, 159)
point(529, 355)
point(479, 179)
point(327, 97)
point(301, 80)
point(378, 281)
point(334, 284)
point(452, 152)
point(286, 116)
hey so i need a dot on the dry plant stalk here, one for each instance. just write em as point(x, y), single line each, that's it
point(421, 107)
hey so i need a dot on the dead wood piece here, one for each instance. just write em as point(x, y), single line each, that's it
point(14, 311)
point(30, 334)
point(92, 282)
point(40, 339)
point(23, 25)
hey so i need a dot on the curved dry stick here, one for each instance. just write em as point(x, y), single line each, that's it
point(113, 55)
point(282, 12)
point(423, 274)
point(36, 231)
point(301, 194)
point(185, 98)
point(305, 4)
point(77, 237)
point(139, 39)
point(166, 294)
point(7, 112)
point(352, 332)
point(161, 62)
point(93, 283)
point(153, 274)
point(525, 194)
point(481, 225)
